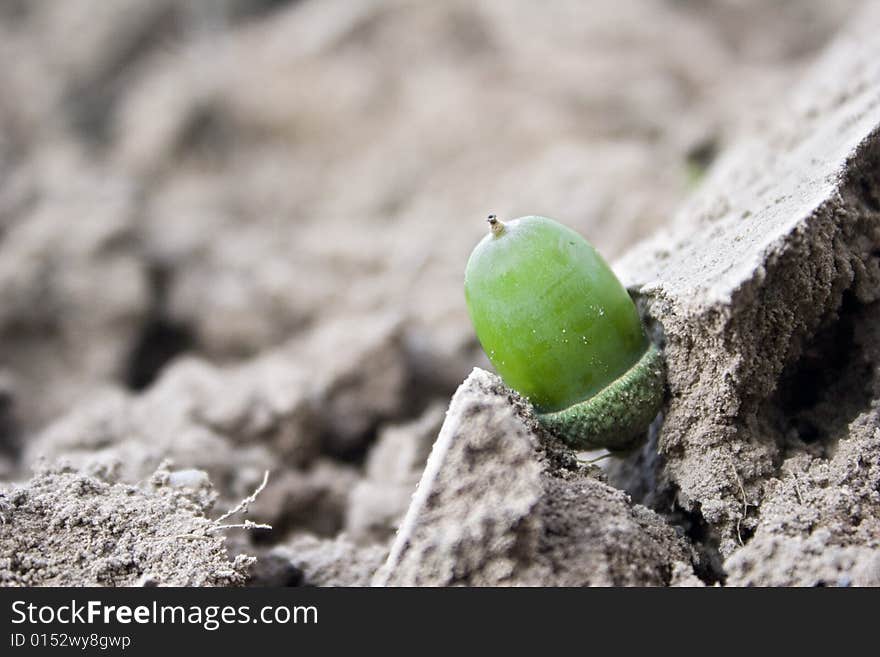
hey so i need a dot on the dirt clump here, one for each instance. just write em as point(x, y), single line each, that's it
point(63, 528)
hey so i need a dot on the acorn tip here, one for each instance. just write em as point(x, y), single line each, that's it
point(495, 224)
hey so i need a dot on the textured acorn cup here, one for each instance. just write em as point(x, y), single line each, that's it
point(561, 330)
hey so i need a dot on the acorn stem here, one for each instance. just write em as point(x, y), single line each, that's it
point(495, 225)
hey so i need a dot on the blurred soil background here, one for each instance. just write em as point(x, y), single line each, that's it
point(233, 232)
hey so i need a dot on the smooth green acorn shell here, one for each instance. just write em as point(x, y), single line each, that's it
point(561, 330)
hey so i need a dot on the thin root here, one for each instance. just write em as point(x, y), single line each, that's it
point(242, 507)
point(745, 502)
point(596, 460)
point(247, 524)
point(797, 488)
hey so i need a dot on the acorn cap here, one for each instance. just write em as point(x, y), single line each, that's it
point(616, 417)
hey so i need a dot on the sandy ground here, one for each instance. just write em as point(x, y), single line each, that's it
point(232, 238)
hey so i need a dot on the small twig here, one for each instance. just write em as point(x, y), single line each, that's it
point(242, 507)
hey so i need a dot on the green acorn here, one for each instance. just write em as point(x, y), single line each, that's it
point(562, 331)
